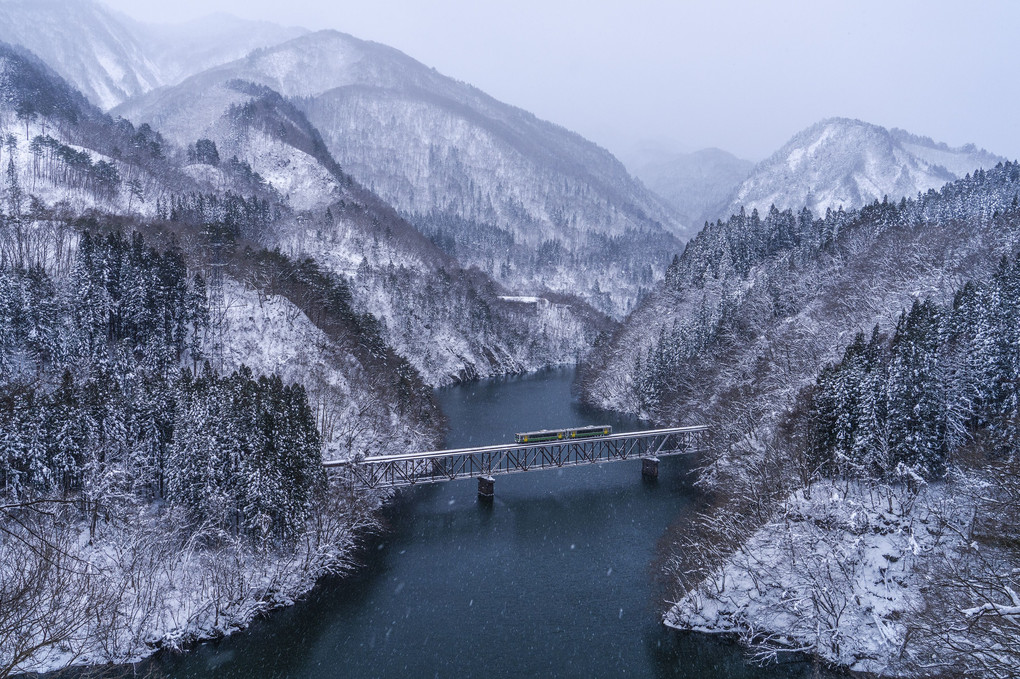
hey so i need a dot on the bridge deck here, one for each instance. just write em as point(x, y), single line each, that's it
point(408, 469)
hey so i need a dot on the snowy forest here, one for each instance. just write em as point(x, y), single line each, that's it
point(114, 422)
point(860, 373)
point(236, 453)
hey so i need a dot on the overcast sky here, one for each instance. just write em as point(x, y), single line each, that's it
point(743, 76)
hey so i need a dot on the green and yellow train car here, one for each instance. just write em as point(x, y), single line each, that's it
point(546, 435)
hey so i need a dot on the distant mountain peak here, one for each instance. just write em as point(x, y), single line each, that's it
point(698, 184)
point(849, 162)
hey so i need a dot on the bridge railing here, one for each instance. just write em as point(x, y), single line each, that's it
point(394, 471)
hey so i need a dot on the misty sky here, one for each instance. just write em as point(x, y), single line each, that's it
point(743, 76)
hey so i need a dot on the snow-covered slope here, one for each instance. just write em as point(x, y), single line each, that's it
point(110, 57)
point(63, 150)
point(697, 184)
point(490, 183)
point(840, 574)
point(270, 335)
point(85, 43)
point(849, 163)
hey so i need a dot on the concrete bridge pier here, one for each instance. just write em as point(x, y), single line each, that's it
point(649, 468)
point(486, 487)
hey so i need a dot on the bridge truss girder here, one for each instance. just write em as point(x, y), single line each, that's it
point(396, 471)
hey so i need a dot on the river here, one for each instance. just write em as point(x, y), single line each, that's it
point(556, 577)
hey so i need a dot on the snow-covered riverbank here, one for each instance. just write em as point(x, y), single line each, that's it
point(840, 573)
point(144, 590)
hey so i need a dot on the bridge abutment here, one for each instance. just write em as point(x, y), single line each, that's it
point(486, 487)
point(650, 467)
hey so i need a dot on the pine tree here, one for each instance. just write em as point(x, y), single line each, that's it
point(65, 435)
point(14, 213)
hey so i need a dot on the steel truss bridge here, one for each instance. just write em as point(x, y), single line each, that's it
point(396, 471)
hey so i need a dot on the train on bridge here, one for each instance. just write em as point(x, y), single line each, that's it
point(569, 448)
point(545, 435)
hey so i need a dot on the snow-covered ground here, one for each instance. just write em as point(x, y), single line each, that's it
point(18, 136)
point(838, 574)
point(541, 301)
point(152, 591)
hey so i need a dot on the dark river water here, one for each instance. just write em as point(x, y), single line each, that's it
point(555, 578)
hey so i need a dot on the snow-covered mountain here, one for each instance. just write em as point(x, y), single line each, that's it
point(288, 192)
point(448, 322)
point(843, 162)
point(109, 57)
point(533, 205)
point(697, 184)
